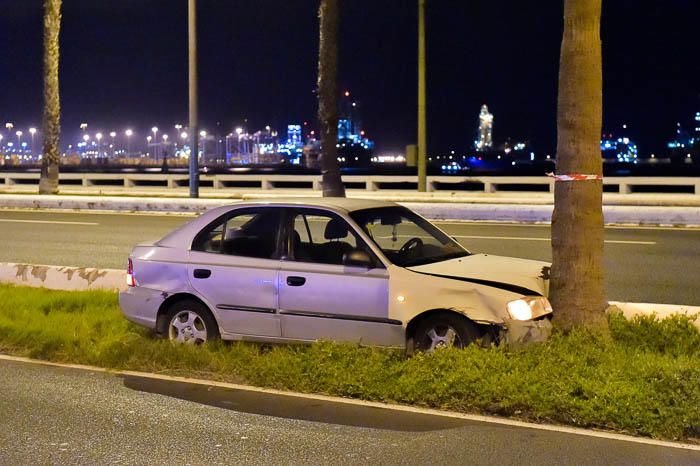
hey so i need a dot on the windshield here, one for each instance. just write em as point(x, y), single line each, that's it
point(405, 238)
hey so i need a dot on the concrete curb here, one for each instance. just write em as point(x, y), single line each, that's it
point(533, 213)
point(62, 278)
point(662, 311)
point(361, 403)
point(82, 279)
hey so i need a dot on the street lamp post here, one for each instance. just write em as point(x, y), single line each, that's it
point(155, 142)
point(128, 134)
point(19, 139)
point(32, 131)
point(98, 136)
point(113, 135)
point(192, 71)
point(422, 124)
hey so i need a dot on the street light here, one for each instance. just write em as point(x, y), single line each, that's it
point(32, 131)
point(98, 136)
point(113, 134)
point(193, 103)
point(422, 122)
point(128, 134)
point(155, 138)
point(19, 138)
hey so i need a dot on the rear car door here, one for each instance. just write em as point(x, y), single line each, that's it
point(320, 297)
point(234, 264)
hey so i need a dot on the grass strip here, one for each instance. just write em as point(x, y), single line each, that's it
point(644, 378)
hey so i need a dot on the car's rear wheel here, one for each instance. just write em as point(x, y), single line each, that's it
point(191, 322)
point(444, 331)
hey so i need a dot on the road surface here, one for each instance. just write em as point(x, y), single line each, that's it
point(642, 264)
point(52, 415)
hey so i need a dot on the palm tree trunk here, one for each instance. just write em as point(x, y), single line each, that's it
point(577, 289)
point(48, 182)
point(329, 16)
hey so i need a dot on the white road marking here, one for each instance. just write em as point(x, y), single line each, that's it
point(373, 404)
point(478, 223)
point(525, 238)
point(48, 222)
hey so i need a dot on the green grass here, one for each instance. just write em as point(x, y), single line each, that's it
point(643, 378)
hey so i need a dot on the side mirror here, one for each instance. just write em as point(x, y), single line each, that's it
point(357, 258)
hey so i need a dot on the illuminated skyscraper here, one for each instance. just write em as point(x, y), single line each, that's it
point(484, 141)
point(294, 136)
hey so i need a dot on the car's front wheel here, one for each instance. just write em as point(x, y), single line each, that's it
point(191, 322)
point(444, 331)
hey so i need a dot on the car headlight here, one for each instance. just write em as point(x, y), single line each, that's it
point(528, 308)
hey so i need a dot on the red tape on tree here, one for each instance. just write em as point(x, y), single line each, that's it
point(574, 177)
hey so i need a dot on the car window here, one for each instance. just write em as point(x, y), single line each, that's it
point(322, 238)
point(250, 233)
point(405, 238)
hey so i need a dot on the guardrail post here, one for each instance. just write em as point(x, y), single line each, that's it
point(371, 185)
point(217, 183)
point(9, 181)
point(128, 183)
point(489, 187)
point(266, 184)
point(625, 188)
point(85, 181)
point(171, 182)
point(316, 184)
point(697, 189)
point(429, 186)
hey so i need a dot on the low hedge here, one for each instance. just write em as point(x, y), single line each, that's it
point(643, 378)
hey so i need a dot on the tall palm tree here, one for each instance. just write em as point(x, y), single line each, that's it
point(329, 17)
point(577, 290)
point(48, 182)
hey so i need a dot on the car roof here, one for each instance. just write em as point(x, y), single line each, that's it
point(182, 237)
point(334, 203)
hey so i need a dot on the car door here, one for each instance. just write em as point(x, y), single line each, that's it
point(234, 264)
point(322, 298)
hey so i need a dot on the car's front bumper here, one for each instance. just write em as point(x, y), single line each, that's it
point(517, 333)
point(140, 305)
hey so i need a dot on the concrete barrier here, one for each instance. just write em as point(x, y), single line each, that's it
point(663, 311)
point(272, 181)
point(62, 278)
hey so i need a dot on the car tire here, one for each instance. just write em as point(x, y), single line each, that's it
point(190, 322)
point(443, 331)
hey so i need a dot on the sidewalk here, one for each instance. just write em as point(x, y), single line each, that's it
point(395, 195)
point(630, 209)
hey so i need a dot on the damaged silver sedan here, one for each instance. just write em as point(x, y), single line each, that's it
point(334, 269)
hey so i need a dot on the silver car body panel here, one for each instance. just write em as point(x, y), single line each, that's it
point(251, 300)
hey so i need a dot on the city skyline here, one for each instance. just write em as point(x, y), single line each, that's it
point(243, 62)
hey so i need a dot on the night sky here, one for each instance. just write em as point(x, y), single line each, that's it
point(124, 63)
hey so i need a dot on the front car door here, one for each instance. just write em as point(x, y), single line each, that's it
point(234, 264)
point(322, 298)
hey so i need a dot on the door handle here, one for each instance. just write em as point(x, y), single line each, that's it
point(296, 281)
point(202, 273)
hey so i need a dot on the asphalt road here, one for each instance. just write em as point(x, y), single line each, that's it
point(642, 264)
point(52, 415)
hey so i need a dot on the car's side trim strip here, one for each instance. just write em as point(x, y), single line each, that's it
point(323, 315)
point(500, 285)
point(228, 307)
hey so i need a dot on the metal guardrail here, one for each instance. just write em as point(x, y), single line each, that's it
point(488, 184)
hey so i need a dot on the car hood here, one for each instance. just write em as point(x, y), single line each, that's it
point(526, 277)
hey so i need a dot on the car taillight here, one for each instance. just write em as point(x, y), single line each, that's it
point(130, 280)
